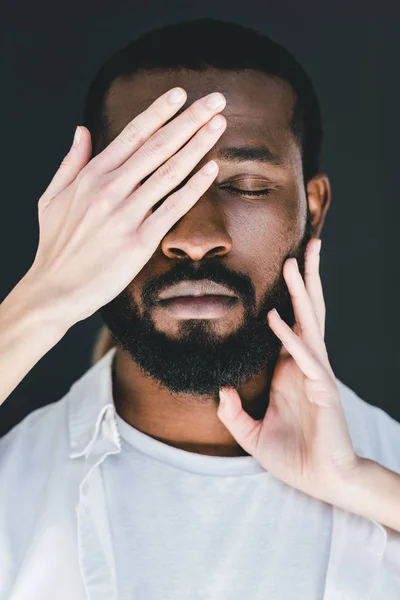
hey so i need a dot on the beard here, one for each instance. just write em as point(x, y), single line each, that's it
point(200, 362)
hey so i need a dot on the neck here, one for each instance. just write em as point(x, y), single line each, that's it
point(184, 421)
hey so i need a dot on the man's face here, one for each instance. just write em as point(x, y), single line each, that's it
point(238, 240)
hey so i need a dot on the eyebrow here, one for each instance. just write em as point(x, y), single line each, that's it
point(249, 153)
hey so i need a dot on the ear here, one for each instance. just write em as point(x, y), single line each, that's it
point(319, 199)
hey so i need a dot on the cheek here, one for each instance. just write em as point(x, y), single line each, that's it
point(270, 230)
point(264, 235)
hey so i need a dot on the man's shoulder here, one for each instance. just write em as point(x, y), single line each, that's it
point(57, 425)
point(375, 434)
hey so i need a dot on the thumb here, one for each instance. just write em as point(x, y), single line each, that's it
point(72, 164)
point(244, 428)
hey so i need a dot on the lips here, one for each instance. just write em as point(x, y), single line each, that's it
point(195, 288)
point(198, 299)
point(198, 307)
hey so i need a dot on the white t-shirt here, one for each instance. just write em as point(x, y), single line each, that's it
point(186, 525)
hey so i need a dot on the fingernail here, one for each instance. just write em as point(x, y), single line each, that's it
point(177, 95)
point(215, 100)
point(77, 136)
point(319, 246)
point(210, 167)
point(216, 123)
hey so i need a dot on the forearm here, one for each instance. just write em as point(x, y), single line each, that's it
point(372, 491)
point(27, 332)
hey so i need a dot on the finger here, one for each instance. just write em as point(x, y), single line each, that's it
point(138, 131)
point(72, 164)
point(154, 228)
point(241, 425)
point(303, 308)
point(175, 170)
point(313, 282)
point(164, 144)
point(305, 358)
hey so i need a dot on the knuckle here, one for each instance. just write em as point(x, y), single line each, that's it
point(131, 134)
point(121, 224)
point(304, 328)
point(156, 143)
point(171, 204)
point(195, 115)
point(193, 185)
point(106, 187)
point(158, 109)
point(169, 170)
point(103, 206)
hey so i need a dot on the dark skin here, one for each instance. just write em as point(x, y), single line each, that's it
point(250, 234)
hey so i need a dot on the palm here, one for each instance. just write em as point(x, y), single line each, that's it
point(303, 439)
point(289, 430)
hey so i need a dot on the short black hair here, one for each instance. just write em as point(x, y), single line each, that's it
point(201, 44)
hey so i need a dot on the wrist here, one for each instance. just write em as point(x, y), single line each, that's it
point(29, 304)
point(372, 491)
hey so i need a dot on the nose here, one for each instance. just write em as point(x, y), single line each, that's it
point(200, 233)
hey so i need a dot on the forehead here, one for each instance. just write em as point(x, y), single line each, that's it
point(258, 111)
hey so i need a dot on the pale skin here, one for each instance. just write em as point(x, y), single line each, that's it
point(303, 439)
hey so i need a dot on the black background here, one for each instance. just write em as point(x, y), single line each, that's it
point(351, 50)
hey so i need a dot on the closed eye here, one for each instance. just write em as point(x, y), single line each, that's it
point(239, 192)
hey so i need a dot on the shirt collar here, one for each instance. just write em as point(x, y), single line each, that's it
point(91, 408)
point(357, 545)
